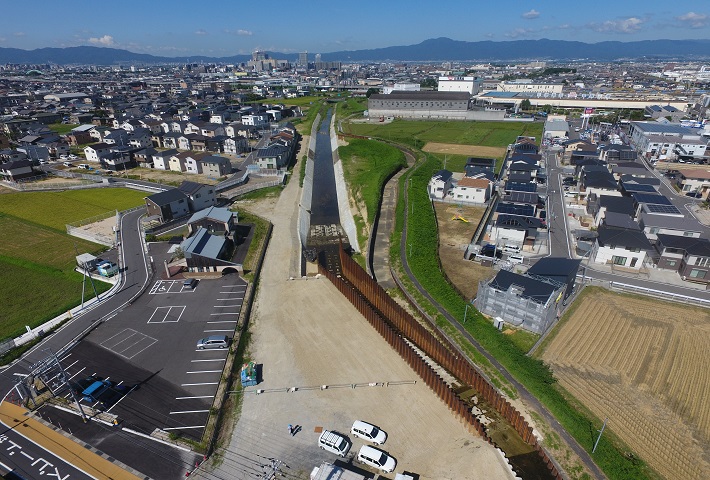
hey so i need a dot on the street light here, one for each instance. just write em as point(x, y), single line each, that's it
point(465, 313)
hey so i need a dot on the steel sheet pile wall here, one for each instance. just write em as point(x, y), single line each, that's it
point(370, 298)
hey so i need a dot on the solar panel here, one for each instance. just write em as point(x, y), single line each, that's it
point(511, 208)
point(520, 187)
point(639, 188)
point(656, 208)
point(651, 199)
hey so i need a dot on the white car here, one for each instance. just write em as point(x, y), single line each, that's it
point(368, 432)
point(376, 458)
point(63, 157)
point(73, 157)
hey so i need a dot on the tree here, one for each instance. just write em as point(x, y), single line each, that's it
point(429, 83)
point(370, 91)
point(525, 104)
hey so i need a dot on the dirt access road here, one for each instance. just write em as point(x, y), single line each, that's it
point(306, 334)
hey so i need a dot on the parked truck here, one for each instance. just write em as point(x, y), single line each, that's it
point(328, 471)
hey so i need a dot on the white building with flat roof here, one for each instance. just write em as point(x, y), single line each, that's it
point(470, 85)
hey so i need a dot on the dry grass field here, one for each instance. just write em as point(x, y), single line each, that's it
point(471, 150)
point(644, 365)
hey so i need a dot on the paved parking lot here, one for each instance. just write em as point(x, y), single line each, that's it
point(150, 347)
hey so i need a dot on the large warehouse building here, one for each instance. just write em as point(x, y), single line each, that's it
point(470, 85)
point(435, 105)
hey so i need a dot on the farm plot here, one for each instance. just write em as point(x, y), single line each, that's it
point(469, 150)
point(642, 364)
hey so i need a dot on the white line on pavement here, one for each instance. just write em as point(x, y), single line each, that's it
point(183, 428)
point(190, 398)
point(223, 321)
point(220, 330)
point(189, 411)
point(224, 313)
point(211, 360)
point(206, 371)
point(197, 384)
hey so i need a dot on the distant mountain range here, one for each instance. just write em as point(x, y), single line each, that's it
point(437, 49)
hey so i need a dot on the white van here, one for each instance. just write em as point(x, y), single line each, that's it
point(84, 166)
point(376, 458)
point(516, 259)
point(334, 443)
point(509, 248)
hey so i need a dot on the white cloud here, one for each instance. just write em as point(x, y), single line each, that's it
point(19, 34)
point(200, 32)
point(531, 14)
point(627, 25)
point(520, 32)
point(694, 20)
point(106, 40)
point(241, 32)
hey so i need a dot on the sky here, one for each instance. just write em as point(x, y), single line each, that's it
point(223, 28)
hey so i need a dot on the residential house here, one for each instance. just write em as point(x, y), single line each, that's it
point(193, 162)
point(598, 182)
point(688, 256)
point(140, 138)
point(216, 220)
point(170, 139)
point(274, 156)
point(161, 160)
point(119, 159)
point(475, 164)
point(471, 190)
point(93, 153)
point(208, 253)
point(515, 230)
point(622, 247)
point(35, 153)
point(215, 166)
point(199, 195)
point(234, 146)
point(144, 157)
point(439, 184)
point(15, 170)
point(695, 180)
point(525, 301)
point(614, 153)
point(176, 163)
point(599, 205)
point(653, 225)
point(212, 130)
point(167, 205)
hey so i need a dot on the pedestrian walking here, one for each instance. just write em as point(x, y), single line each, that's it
point(290, 429)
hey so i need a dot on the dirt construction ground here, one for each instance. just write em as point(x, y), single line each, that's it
point(306, 334)
point(644, 365)
point(472, 150)
point(456, 227)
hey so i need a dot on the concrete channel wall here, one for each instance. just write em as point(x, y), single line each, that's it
point(346, 215)
point(304, 207)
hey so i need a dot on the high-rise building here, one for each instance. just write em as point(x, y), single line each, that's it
point(303, 59)
point(318, 57)
point(258, 55)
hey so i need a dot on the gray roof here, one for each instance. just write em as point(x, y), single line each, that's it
point(664, 221)
point(443, 175)
point(661, 128)
point(536, 290)
point(203, 244)
point(693, 246)
point(215, 159)
point(214, 213)
point(167, 197)
point(190, 188)
point(619, 220)
point(622, 237)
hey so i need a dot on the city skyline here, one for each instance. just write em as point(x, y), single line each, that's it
point(227, 28)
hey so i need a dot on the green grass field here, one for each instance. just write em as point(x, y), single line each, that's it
point(417, 133)
point(62, 128)
point(56, 209)
point(37, 278)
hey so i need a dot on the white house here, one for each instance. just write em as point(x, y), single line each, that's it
point(621, 247)
point(161, 160)
point(255, 120)
point(471, 190)
point(234, 146)
point(193, 162)
point(439, 184)
point(94, 152)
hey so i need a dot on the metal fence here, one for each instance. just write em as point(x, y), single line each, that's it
point(676, 297)
point(395, 324)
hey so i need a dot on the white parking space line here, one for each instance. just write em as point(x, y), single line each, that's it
point(190, 398)
point(206, 371)
point(233, 298)
point(206, 331)
point(168, 314)
point(189, 411)
point(133, 339)
point(223, 321)
point(224, 313)
point(198, 384)
point(210, 360)
point(183, 428)
point(226, 306)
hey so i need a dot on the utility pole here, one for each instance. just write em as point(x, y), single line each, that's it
point(71, 390)
point(600, 435)
point(465, 313)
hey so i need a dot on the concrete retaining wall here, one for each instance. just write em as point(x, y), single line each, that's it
point(346, 216)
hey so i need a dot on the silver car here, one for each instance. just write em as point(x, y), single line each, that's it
point(213, 341)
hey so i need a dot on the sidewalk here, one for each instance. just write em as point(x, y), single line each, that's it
point(63, 447)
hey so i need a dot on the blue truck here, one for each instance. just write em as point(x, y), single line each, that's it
point(102, 393)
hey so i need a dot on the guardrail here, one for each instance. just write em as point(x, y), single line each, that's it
point(660, 293)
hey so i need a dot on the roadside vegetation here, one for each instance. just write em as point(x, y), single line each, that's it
point(367, 164)
point(62, 128)
point(37, 256)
